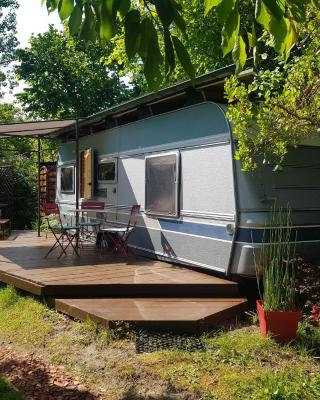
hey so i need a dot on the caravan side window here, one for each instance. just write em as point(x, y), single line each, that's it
point(107, 170)
point(162, 184)
point(67, 179)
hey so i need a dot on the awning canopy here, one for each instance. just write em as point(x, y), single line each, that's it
point(35, 128)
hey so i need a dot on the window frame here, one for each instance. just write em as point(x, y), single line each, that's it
point(65, 166)
point(176, 153)
point(108, 161)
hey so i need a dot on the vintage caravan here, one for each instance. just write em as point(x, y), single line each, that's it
point(172, 152)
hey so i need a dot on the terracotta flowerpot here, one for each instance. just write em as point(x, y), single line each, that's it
point(281, 325)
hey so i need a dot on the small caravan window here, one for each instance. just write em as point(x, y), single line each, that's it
point(162, 183)
point(67, 179)
point(107, 171)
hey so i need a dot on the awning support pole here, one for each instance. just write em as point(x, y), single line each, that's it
point(77, 174)
point(39, 193)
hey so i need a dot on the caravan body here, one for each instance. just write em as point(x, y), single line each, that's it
point(197, 207)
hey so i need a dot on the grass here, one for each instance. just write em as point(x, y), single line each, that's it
point(24, 320)
point(238, 364)
point(8, 391)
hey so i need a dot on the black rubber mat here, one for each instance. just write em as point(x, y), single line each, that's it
point(148, 342)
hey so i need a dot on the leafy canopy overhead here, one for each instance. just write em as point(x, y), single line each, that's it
point(203, 44)
point(149, 23)
point(281, 107)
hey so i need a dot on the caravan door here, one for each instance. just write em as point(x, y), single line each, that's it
point(107, 183)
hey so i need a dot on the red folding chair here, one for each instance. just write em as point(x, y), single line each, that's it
point(86, 222)
point(119, 235)
point(64, 234)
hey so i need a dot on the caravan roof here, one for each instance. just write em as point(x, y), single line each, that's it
point(208, 87)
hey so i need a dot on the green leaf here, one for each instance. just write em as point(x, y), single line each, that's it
point(88, 31)
point(179, 21)
point(224, 9)
point(183, 57)
point(262, 15)
point(124, 7)
point(169, 53)
point(75, 20)
point(239, 54)
point(278, 31)
point(209, 4)
point(298, 10)
point(230, 31)
point(165, 11)
point(107, 23)
point(152, 65)
point(254, 45)
point(176, 5)
point(291, 37)
point(132, 32)
point(52, 5)
point(147, 30)
point(275, 7)
point(250, 41)
point(65, 8)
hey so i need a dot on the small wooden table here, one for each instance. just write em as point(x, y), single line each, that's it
point(5, 228)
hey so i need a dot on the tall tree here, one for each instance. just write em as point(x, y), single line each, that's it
point(65, 78)
point(8, 40)
point(147, 23)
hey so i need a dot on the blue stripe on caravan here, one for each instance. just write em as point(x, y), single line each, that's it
point(246, 235)
point(255, 235)
point(210, 231)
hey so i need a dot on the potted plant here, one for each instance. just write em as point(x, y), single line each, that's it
point(278, 315)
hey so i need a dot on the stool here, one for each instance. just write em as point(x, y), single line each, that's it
point(5, 228)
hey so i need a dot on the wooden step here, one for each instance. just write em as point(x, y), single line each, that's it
point(156, 313)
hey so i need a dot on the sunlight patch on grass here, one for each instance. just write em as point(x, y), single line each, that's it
point(238, 365)
point(24, 320)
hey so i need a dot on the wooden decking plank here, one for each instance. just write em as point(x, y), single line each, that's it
point(151, 274)
point(82, 274)
point(101, 274)
point(193, 311)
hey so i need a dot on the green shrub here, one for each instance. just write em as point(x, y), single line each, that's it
point(308, 339)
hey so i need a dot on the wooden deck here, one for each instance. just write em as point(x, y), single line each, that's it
point(107, 289)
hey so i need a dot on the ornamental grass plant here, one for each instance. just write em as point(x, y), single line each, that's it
point(277, 259)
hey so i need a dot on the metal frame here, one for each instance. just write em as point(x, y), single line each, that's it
point(107, 160)
point(177, 184)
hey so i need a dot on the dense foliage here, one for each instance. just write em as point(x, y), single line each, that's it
point(148, 23)
point(281, 107)
point(8, 40)
point(203, 44)
point(66, 79)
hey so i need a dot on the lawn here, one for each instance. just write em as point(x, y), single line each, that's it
point(8, 391)
point(238, 362)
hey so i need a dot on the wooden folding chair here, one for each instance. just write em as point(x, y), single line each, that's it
point(118, 236)
point(63, 234)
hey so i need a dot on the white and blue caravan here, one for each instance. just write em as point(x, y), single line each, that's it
point(172, 153)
